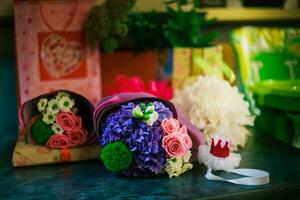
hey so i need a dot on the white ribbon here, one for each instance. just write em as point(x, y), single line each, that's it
point(254, 176)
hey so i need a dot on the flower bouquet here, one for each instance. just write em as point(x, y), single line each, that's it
point(143, 135)
point(56, 127)
point(58, 120)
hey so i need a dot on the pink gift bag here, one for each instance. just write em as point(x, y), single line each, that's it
point(51, 54)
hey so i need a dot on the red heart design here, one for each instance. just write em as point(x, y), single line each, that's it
point(61, 58)
point(29, 20)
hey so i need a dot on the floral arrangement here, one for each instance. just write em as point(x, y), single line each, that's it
point(143, 138)
point(57, 124)
point(214, 106)
point(160, 88)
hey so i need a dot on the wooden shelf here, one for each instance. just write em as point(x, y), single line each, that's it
point(253, 14)
point(231, 14)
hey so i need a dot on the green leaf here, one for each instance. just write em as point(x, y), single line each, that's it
point(206, 39)
point(170, 1)
point(182, 2)
point(170, 10)
point(197, 3)
point(145, 117)
point(209, 22)
point(149, 111)
point(109, 45)
point(143, 106)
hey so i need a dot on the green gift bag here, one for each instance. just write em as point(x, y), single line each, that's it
point(269, 67)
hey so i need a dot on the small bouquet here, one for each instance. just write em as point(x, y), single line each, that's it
point(143, 135)
point(59, 120)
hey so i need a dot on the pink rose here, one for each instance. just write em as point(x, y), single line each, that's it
point(170, 125)
point(68, 121)
point(77, 137)
point(186, 138)
point(174, 144)
point(58, 141)
point(183, 130)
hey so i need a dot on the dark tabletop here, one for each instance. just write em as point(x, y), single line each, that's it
point(89, 180)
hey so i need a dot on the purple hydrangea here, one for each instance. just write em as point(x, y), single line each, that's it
point(145, 141)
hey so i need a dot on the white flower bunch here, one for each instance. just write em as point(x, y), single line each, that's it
point(49, 108)
point(176, 166)
point(57, 129)
point(213, 105)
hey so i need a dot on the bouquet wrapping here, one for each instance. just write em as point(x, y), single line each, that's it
point(56, 126)
point(143, 135)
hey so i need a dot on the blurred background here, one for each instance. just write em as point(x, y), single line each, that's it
point(154, 29)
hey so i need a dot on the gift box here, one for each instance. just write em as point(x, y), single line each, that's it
point(189, 62)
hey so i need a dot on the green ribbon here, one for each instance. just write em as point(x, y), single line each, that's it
point(202, 65)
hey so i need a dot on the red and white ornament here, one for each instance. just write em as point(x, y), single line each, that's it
point(217, 155)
